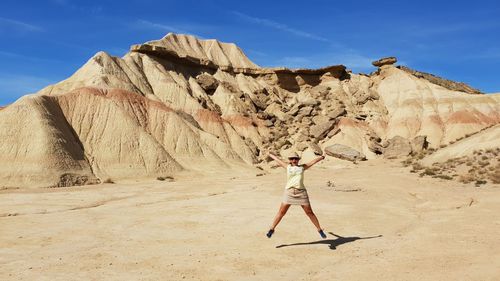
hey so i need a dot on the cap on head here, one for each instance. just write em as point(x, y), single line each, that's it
point(293, 155)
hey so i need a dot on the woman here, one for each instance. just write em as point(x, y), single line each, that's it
point(295, 191)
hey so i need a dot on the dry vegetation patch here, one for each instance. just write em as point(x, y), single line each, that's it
point(481, 167)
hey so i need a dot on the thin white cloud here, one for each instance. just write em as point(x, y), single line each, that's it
point(18, 25)
point(159, 26)
point(86, 9)
point(439, 29)
point(280, 26)
point(27, 58)
point(354, 61)
point(256, 53)
point(13, 86)
point(295, 62)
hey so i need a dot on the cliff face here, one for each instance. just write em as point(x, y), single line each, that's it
point(181, 103)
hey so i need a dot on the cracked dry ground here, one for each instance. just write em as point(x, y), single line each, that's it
point(390, 225)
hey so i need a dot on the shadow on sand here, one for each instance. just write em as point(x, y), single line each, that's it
point(332, 243)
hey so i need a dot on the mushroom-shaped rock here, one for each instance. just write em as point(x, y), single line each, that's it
point(385, 61)
point(344, 152)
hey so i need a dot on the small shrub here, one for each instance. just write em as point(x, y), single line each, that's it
point(417, 166)
point(165, 178)
point(444, 177)
point(428, 172)
point(465, 179)
point(407, 162)
point(483, 163)
point(480, 182)
point(495, 177)
point(108, 180)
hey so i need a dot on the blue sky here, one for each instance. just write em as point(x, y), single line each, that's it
point(43, 42)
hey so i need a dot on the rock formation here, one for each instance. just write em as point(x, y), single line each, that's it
point(385, 61)
point(185, 104)
point(344, 152)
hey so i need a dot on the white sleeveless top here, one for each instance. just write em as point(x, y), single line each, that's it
point(295, 177)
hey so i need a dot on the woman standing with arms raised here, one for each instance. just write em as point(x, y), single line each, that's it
point(295, 191)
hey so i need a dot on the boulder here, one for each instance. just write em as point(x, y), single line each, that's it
point(268, 123)
point(294, 111)
point(344, 152)
point(375, 147)
point(263, 115)
point(319, 119)
point(260, 98)
point(397, 147)
point(304, 131)
point(207, 82)
point(315, 148)
point(309, 102)
point(300, 138)
point(304, 111)
point(336, 112)
point(385, 61)
point(281, 143)
point(275, 110)
point(419, 143)
point(333, 132)
point(320, 130)
point(322, 91)
point(306, 121)
point(301, 146)
point(373, 142)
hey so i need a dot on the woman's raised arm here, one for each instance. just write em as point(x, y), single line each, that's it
point(310, 164)
point(281, 162)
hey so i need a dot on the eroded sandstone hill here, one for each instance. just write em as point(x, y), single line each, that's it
point(181, 103)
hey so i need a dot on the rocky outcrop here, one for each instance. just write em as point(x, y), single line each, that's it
point(417, 107)
point(344, 152)
point(181, 103)
point(445, 83)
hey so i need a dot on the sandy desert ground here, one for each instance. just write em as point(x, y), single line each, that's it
point(384, 224)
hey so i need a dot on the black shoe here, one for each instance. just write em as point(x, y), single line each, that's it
point(270, 233)
point(323, 235)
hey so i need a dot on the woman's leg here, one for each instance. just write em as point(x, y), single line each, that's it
point(281, 212)
point(311, 215)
